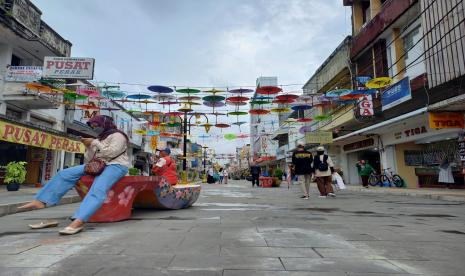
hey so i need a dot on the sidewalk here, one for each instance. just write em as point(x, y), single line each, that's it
point(440, 194)
point(10, 200)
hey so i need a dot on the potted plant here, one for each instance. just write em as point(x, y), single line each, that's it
point(15, 175)
point(134, 171)
point(277, 177)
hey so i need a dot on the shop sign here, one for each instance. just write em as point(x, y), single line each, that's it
point(23, 73)
point(94, 111)
point(319, 137)
point(411, 132)
point(36, 138)
point(461, 146)
point(68, 68)
point(446, 120)
point(366, 106)
point(396, 94)
point(359, 145)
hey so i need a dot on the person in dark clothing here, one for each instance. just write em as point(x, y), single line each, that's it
point(255, 171)
point(302, 165)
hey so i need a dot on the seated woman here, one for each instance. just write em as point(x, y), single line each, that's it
point(166, 167)
point(110, 146)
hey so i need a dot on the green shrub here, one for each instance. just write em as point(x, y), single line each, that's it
point(278, 173)
point(134, 171)
point(15, 172)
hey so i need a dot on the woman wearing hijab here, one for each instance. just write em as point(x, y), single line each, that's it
point(110, 146)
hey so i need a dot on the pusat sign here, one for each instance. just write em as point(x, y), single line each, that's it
point(68, 68)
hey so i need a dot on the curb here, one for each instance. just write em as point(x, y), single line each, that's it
point(413, 194)
point(11, 208)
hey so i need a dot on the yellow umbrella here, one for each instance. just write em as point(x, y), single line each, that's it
point(380, 82)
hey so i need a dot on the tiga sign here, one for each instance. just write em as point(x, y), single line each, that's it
point(446, 120)
point(68, 68)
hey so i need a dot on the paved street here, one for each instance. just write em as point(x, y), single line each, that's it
point(236, 230)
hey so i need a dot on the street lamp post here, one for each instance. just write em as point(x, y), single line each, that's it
point(204, 163)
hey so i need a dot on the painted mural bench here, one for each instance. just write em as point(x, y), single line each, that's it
point(149, 192)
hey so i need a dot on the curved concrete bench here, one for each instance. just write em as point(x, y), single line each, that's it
point(152, 192)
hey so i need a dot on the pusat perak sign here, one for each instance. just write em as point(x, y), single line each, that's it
point(68, 68)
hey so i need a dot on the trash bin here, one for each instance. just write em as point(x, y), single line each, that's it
point(266, 182)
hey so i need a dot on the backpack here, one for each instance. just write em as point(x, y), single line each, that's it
point(323, 166)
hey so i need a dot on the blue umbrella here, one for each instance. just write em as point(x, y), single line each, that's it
point(138, 97)
point(301, 107)
point(160, 89)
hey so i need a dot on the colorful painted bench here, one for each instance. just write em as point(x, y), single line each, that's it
point(152, 192)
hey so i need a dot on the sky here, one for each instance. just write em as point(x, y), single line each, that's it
point(201, 43)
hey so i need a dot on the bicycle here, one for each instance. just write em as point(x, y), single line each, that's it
point(386, 177)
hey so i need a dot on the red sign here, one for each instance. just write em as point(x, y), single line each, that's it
point(366, 106)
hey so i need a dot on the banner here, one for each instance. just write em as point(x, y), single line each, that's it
point(319, 137)
point(446, 120)
point(396, 94)
point(68, 68)
point(27, 136)
point(23, 73)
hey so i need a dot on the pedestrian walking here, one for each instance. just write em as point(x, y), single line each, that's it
point(323, 167)
point(220, 173)
point(302, 164)
point(364, 170)
point(225, 176)
point(255, 171)
point(445, 173)
point(210, 179)
point(110, 147)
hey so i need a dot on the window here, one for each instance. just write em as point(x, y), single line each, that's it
point(390, 61)
point(13, 114)
point(15, 60)
point(414, 53)
point(366, 11)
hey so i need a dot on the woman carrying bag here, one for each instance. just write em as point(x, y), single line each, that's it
point(105, 158)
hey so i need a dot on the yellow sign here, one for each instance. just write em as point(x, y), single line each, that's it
point(446, 120)
point(27, 136)
point(319, 137)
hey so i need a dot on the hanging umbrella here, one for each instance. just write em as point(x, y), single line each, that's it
point(188, 91)
point(87, 107)
point(207, 127)
point(290, 120)
point(174, 114)
point(189, 98)
point(322, 117)
point(236, 99)
point(304, 120)
point(230, 136)
point(236, 103)
point(213, 98)
point(39, 87)
point(283, 101)
point(287, 97)
point(160, 89)
point(163, 97)
point(380, 82)
point(258, 102)
point(214, 91)
point(74, 96)
point(259, 111)
point(217, 114)
point(140, 131)
point(280, 110)
point(114, 94)
point(152, 133)
point(169, 102)
point(268, 90)
point(109, 108)
point(241, 91)
point(306, 98)
point(214, 104)
point(301, 107)
point(186, 108)
point(138, 96)
point(345, 102)
point(237, 113)
point(242, 136)
point(336, 93)
point(305, 129)
point(351, 95)
point(89, 92)
point(221, 125)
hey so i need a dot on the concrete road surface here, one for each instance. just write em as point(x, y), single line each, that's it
point(235, 229)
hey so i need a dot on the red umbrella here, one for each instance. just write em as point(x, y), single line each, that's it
point(287, 97)
point(236, 99)
point(288, 101)
point(174, 113)
point(268, 90)
point(259, 111)
point(304, 120)
point(222, 125)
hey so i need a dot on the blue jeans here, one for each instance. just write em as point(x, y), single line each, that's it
point(66, 179)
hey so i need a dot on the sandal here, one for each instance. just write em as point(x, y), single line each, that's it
point(44, 224)
point(70, 230)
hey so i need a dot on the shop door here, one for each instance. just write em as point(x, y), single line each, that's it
point(372, 157)
point(35, 157)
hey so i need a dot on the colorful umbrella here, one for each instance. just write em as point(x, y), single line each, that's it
point(160, 89)
point(230, 136)
point(114, 94)
point(207, 127)
point(186, 108)
point(268, 90)
point(74, 96)
point(280, 110)
point(188, 91)
point(163, 97)
point(220, 125)
point(214, 104)
point(283, 101)
point(304, 120)
point(236, 99)
point(305, 129)
point(214, 91)
point(39, 87)
point(152, 133)
point(258, 102)
point(336, 93)
point(240, 91)
point(351, 95)
point(380, 82)
point(138, 96)
point(239, 123)
point(236, 103)
point(213, 98)
point(242, 136)
point(259, 111)
point(301, 107)
point(169, 102)
point(287, 97)
point(322, 117)
point(89, 92)
point(237, 113)
point(174, 114)
point(88, 107)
